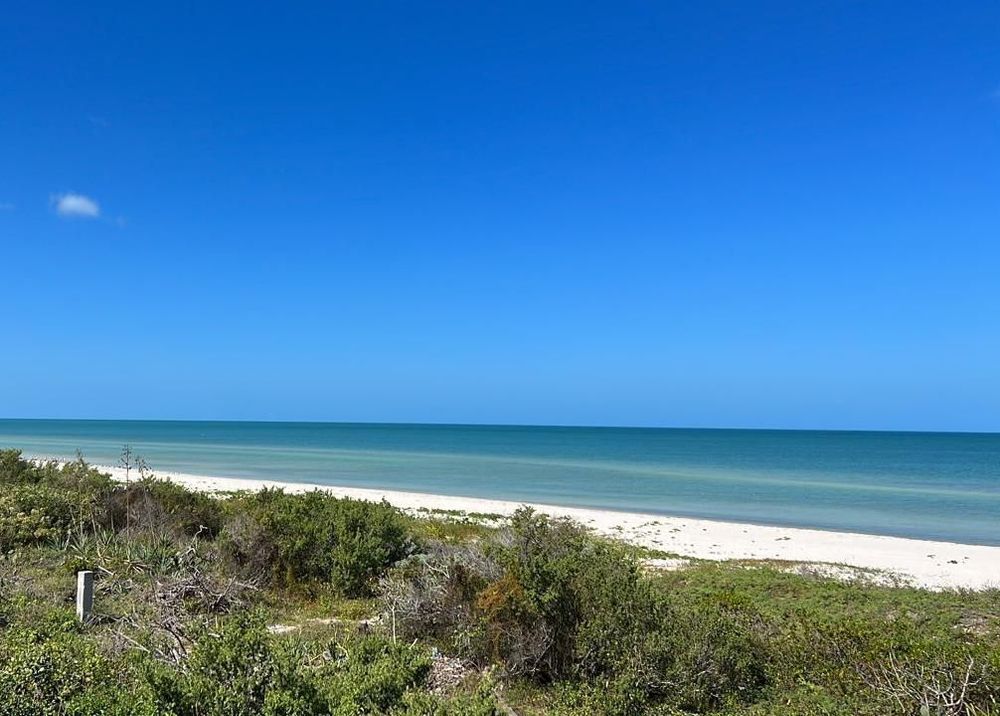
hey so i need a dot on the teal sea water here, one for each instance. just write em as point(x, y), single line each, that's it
point(926, 485)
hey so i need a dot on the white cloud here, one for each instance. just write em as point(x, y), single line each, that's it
point(76, 205)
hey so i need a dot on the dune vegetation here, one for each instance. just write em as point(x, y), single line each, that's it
point(274, 603)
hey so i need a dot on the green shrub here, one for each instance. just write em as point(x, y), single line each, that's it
point(371, 675)
point(480, 702)
point(121, 553)
point(903, 665)
point(74, 475)
point(566, 604)
point(32, 513)
point(13, 468)
point(711, 657)
point(43, 502)
point(555, 604)
point(237, 670)
point(612, 697)
point(152, 505)
point(54, 670)
point(530, 616)
point(315, 537)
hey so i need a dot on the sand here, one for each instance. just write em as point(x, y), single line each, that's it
point(843, 555)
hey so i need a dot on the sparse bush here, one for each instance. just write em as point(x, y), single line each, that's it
point(432, 594)
point(118, 553)
point(248, 544)
point(420, 703)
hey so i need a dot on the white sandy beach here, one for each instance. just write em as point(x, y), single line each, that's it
point(933, 565)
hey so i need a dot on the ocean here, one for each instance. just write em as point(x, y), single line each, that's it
point(943, 486)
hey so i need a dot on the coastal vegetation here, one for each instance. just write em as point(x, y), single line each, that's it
point(305, 604)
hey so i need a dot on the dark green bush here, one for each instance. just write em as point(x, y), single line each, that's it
point(13, 468)
point(315, 537)
point(567, 603)
point(74, 475)
point(237, 670)
point(371, 675)
point(152, 505)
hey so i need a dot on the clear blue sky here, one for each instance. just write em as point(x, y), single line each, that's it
point(761, 214)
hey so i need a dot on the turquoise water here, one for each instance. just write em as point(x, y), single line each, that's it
point(926, 485)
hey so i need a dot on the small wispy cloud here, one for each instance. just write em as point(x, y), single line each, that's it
point(75, 205)
point(6, 206)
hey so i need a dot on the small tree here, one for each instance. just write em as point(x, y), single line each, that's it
point(129, 460)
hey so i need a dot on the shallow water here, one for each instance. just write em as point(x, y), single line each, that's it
point(927, 485)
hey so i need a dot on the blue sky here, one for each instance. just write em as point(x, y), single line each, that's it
point(766, 214)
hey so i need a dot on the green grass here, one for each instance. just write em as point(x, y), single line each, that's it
point(451, 529)
point(780, 595)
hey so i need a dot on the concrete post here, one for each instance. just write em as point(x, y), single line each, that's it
point(84, 595)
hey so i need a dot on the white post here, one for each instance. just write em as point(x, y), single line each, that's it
point(84, 595)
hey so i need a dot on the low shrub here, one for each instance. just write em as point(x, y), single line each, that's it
point(237, 669)
point(31, 513)
point(371, 675)
point(161, 506)
point(552, 603)
point(74, 475)
point(51, 669)
point(905, 666)
point(120, 553)
point(315, 537)
point(13, 468)
point(42, 502)
point(431, 594)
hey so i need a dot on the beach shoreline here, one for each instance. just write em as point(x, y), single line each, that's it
point(921, 563)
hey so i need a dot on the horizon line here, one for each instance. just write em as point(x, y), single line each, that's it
point(569, 426)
